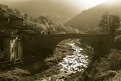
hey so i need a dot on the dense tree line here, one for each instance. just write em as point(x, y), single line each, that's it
point(109, 24)
point(11, 18)
point(107, 66)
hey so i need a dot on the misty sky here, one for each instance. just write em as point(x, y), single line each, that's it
point(79, 4)
point(62, 10)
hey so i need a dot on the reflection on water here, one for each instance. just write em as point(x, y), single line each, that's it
point(75, 62)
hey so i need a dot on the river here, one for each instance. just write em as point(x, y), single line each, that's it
point(70, 64)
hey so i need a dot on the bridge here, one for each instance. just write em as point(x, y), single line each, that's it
point(45, 44)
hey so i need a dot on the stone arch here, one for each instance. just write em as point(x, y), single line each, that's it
point(66, 42)
point(47, 43)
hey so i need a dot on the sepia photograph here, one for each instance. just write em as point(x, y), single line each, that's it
point(60, 40)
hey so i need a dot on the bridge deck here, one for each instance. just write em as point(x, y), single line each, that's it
point(77, 35)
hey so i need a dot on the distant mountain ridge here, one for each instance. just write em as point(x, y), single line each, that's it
point(57, 11)
point(90, 18)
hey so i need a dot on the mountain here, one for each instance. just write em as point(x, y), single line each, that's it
point(90, 18)
point(40, 25)
point(58, 11)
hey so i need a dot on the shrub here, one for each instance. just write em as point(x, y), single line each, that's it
point(117, 41)
point(115, 60)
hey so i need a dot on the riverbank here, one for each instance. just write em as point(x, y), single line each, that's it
point(68, 62)
point(107, 68)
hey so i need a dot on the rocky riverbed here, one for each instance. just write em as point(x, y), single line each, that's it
point(68, 62)
point(71, 64)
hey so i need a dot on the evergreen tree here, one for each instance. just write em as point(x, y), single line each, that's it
point(104, 20)
point(109, 23)
point(114, 24)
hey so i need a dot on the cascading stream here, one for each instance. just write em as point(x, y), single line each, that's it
point(76, 62)
point(70, 64)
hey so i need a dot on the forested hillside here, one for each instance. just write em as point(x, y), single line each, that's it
point(13, 19)
point(90, 18)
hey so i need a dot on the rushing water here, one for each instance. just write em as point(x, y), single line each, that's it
point(75, 62)
point(70, 64)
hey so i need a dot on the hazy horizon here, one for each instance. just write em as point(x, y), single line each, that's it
point(60, 10)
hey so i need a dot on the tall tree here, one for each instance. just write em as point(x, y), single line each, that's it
point(114, 24)
point(109, 23)
point(104, 23)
